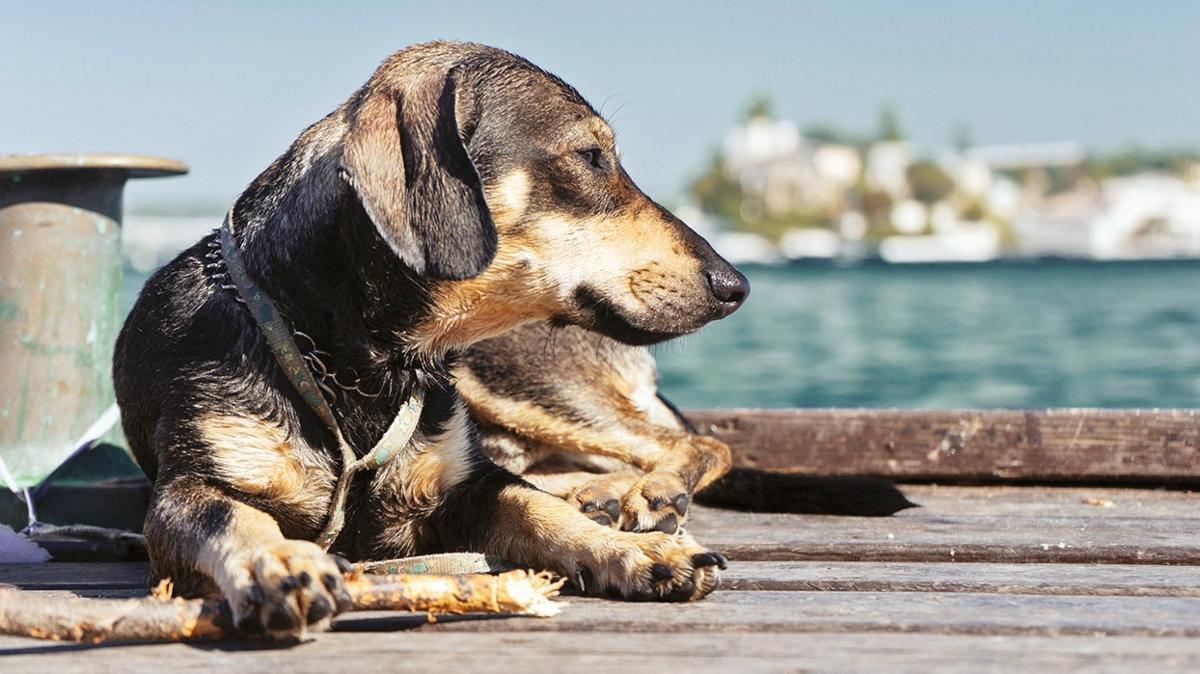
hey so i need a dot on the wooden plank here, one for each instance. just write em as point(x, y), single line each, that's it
point(1032, 445)
point(1061, 579)
point(128, 579)
point(551, 653)
point(916, 536)
point(75, 576)
point(835, 612)
point(1085, 502)
point(773, 611)
point(93, 593)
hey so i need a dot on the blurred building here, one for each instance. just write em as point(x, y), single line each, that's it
point(802, 198)
point(1146, 215)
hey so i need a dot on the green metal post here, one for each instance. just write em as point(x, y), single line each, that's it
point(60, 298)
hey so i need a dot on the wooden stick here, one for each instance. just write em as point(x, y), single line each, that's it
point(157, 619)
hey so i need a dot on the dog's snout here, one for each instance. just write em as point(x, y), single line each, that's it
point(729, 287)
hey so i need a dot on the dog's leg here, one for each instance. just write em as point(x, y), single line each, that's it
point(675, 464)
point(542, 390)
point(497, 513)
point(272, 584)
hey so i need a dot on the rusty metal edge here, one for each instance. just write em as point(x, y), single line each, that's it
point(136, 166)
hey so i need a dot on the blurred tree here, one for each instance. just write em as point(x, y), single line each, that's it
point(822, 132)
point(876, 205)
point(1136, 159)
point(889, 123)
point(760, 105)
point(929, 183)
point(961, 137)
point(716, 192)
point(974, 209)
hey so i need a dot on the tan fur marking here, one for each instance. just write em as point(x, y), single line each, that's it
point(256, 457)
point(532, 421)
point(634, 259)
point(510, 198)
point(511, 291)
point(226, 558)
point(635, 440)
point(443, 464)
point(429, 467)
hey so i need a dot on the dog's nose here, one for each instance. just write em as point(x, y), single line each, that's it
point(730, 288)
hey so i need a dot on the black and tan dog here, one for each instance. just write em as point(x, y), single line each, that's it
point(461, 193)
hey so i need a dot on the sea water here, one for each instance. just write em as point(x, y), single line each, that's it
point(1004, 334)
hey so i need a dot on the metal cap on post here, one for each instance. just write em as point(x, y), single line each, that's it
point(60, 298)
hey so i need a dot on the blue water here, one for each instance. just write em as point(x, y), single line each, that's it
point(1008, 334)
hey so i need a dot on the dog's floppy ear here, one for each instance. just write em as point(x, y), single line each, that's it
point(405, 155)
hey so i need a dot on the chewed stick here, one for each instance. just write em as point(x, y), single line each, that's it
point(156, 619)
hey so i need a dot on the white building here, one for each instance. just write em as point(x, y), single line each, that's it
point(887, 168)
point(1148, 215)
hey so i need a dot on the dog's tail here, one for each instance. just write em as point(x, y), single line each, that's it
point(767, 492)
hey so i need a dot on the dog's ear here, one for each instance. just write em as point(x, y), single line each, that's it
point(405, 155)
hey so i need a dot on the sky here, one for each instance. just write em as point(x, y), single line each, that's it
point(226, 86)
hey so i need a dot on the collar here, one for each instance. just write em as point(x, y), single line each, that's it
point(279, 337)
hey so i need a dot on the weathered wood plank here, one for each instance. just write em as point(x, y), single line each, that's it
point(128, 579)
point(799, 612)
point(916, 536)
point(1034, 445)
point(863, 612)
point(1061, 579)
point(75, 576)
point(92, 593)
point(550, 653)
point(1085, 502)
point(771, 611)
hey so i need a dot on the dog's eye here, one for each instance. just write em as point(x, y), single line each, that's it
point(594, 157)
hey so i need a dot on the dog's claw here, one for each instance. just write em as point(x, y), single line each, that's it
point(319, 609)
point(344, 565)
point(613, 507)
point(282, 618)
point(710, 559)
point(661, 572)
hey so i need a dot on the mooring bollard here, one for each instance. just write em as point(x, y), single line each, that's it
point(60, 298)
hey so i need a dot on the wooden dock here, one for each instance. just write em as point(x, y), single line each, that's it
point(1000, 577)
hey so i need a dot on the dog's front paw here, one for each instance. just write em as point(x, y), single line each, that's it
point(600, 498)
point(656, 502)
point(651, 567)
point(287, 588)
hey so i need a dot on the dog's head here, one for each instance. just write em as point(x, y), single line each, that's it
point(501, 186)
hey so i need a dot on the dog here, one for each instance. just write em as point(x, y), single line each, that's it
point(462, 192)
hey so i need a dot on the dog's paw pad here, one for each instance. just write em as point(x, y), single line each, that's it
point(290, 587)
point(600, 498)
point(657, 502)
